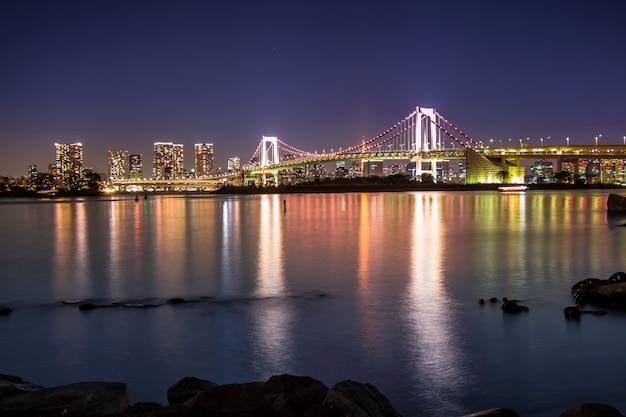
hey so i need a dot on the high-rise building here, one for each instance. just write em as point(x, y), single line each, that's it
point(178, 166)
point(234, 165)
point(203, 159)
point(69, 164)
point(162, 159)
point(136, 166)
point(32, 176)
point(168, 162)
point(119, 168)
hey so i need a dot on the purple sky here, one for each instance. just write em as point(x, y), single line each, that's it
point(125, 74)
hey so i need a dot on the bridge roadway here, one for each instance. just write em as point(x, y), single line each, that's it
point(189, 184)
point(560, 153)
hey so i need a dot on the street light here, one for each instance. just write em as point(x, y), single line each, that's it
point(541, 142)
point(567, 140)
point(625, 140)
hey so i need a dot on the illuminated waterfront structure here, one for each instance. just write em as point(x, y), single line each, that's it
point(203, 159)
point(32, 176)
point(234, 165)
point(178, 166)
point(168, 162)
point(135, 166)
point(119, 167)
point(69, 164)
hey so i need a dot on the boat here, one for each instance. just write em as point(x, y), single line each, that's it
point(47, 193)
point(512, 188)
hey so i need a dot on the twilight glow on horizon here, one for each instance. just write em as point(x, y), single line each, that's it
point(122, 75)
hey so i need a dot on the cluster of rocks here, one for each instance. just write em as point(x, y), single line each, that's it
point(508, 306)
point(280, 396)
point(604, 293)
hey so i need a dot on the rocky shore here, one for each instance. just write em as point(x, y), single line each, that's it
point(279, 396)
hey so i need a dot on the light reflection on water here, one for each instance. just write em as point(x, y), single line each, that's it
point(375, 287)
point(434, 353)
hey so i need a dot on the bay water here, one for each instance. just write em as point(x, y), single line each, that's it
point(374, 287)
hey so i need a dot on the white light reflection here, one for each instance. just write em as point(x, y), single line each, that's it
point(435, 352)
point(273, 316)
point(270, 269)
point(115, 241)
point(70, 250)
point(169, 223)
point(229, 229)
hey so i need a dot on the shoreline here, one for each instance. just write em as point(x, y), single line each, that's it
point(326, 187)
point(280, 395)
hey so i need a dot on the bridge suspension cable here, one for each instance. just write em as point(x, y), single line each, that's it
point(470, 140)
point(421, 130)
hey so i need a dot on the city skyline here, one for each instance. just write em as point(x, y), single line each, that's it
point(117, 76)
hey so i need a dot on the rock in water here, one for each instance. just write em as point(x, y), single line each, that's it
point(616, 202)
point(610, 295)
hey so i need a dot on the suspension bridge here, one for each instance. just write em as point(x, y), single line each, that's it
point(423, 137)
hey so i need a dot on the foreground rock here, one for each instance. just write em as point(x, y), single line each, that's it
point(83, 398)
point(280, 396)
point(350, 398)
point(494, 412)
point(14, 385)
point(186, 389)
point(616, 203)
point(592, 410)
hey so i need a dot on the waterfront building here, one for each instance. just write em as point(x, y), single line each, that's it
point(203, 159)
point(69, 164)
point(234, 165)
point(119, 167)
point(178, 166)
point(135, 162)
point(168, 162)
point(355, 169)
point(340, 169)
point(542, 171)
point(32, 176)
point(373, 168)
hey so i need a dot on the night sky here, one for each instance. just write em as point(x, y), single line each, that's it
point(317, 74)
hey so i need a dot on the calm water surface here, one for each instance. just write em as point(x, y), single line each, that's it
point(374, 287)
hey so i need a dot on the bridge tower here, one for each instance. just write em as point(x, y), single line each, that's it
point(269, 156)
point(427, 137)
point(269, 151)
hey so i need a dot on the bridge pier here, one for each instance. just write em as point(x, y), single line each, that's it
point(419, 167)
point(273, 180)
